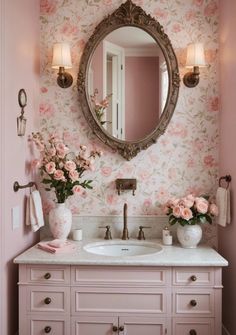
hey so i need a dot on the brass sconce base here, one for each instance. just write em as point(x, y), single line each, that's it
point(191, 79)
point(64, 79)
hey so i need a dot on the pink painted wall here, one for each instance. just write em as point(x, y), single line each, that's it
point(227, 246)
point(141, 96)
point(19, 69)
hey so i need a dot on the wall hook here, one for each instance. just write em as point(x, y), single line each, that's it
point(126, 184)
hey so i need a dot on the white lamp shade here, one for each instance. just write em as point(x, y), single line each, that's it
point(195, 55)
point(61, 56)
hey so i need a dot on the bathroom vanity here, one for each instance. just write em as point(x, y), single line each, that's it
point(174, 291)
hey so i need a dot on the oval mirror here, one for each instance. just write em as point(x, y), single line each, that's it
point(128, 80)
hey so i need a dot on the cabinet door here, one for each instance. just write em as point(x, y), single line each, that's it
point(143, 326)
point(94, 325)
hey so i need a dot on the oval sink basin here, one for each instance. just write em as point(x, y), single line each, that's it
point(122, 248)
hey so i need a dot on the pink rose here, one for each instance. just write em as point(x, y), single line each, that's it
point(213, 209)
point(198, 2)
point(59, 175)
point(186, 214)
point(209, 161)
point(43, 89)
point(176, 28)
point(50, 167)
point(106, 171)
point(213, 104)
point(61, 150)
point(160, 13)
point(69, 29)
point(48, 6)
point(175, 202)
point(202, 205)
point(177, 211)
point(211, 9)
point(46, 110)
point(188, 202)
point(77, 189)
point(74, 175)
point(70, 165)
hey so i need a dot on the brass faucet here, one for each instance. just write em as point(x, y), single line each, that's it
point(125, 235)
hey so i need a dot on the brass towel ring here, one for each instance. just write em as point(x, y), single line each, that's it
point(227, 178)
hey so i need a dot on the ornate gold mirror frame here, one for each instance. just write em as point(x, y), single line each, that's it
point(128, 14)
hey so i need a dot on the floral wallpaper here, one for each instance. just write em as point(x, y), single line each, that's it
point(185, 158)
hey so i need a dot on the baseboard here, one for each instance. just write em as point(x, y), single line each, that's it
point(224, 330)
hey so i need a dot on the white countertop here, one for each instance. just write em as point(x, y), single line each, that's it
point(173, 255)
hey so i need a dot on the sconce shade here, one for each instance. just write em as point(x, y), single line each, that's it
point(195, 60)
point(61, 56)
point(62, 60)
point(195, 55)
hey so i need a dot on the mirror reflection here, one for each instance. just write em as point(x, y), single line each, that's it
point(128, 83)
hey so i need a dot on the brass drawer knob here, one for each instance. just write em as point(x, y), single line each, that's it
point(121, 328)
point(192, 332)
point(115, 329)
point(47, 300)
point(193, 303)
point(47, 275)
point(193, 278)
point(47, 329)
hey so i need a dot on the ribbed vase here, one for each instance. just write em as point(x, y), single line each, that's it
point(60, 221)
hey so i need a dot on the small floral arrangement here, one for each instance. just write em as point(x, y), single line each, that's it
point(99, 107)
point(190, 210)
point(62, 169)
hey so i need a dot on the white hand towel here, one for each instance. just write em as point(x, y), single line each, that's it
point(35, 211)
point(223, 203)
point(228, 219)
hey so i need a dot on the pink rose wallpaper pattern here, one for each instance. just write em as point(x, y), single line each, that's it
point(185, 158)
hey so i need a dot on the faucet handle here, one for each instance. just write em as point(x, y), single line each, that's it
point(141, 232)
point(107, 233)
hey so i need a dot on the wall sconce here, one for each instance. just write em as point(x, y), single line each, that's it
point(195, 59)
point(21, 120)
point(62, 60)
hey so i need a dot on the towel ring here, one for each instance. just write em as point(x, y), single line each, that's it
point(227, 178)
point(17, 186)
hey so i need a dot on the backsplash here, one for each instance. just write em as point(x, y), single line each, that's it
point(185, 158)
point(90, 226)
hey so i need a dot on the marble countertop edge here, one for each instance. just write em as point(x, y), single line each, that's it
point(173, 255)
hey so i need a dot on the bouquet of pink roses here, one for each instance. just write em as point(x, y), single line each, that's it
point(190, 210)
point(100, 107)
point(62, 169)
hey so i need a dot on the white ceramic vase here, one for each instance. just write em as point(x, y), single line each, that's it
point(60, 221)
point(189, 235)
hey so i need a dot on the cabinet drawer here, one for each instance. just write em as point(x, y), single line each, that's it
point(194, 302)
point(44, 325)
point(119, 300)
point(190, 326)
point(48, 299)
point(48, 274)
point(193, 276)
point(120, 276)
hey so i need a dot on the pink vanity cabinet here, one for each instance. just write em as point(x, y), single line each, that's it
point(123, 300)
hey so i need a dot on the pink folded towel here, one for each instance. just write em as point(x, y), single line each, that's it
point(64, 248)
